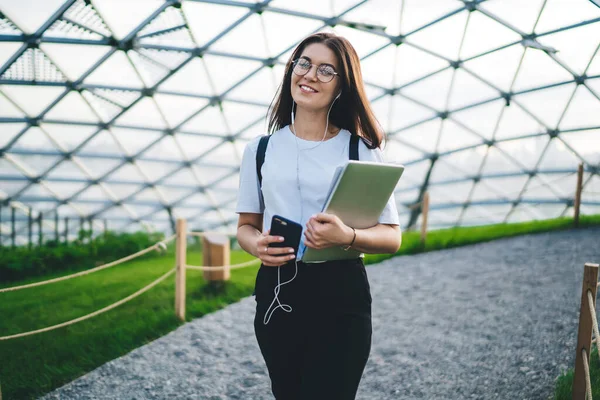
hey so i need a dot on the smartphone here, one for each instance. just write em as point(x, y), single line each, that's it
point(290, 231)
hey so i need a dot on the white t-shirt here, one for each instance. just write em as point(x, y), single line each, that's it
point(316, 166)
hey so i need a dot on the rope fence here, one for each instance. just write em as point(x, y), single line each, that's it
point(588, 324)
point(207, 237)
point(181, 245)
point(592, 308)
point(105, 309)
point(223, 267)
point(205, 234)
point(89, 271)
point(586, 367)
point(209, 244)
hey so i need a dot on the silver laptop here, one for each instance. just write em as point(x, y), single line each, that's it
point(358, 194)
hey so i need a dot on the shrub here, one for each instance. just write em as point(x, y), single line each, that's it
point(22, 262)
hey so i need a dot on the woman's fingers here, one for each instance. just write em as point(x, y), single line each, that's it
point(311, 226)
point(311, 241)
point(268, 239)
point(274, 239)
point(264, 245)
point(274, 256)
point(277, 251)
point(275, 261)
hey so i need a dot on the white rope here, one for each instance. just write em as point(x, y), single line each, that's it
point(586, 367)
point(118, 303)
point(89, 271)
point(202, 234)
point(223, 267)
point(593, 313)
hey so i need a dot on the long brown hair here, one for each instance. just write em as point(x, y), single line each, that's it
point(352, 111)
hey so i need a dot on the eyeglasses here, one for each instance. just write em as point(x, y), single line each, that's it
point(325, 72)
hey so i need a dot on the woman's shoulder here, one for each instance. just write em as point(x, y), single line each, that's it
point(367, 153)
point(252, 145)
point(364, 144)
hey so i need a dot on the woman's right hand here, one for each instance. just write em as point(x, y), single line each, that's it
point(273, 256)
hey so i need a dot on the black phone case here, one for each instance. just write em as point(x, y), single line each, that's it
point(290, 230)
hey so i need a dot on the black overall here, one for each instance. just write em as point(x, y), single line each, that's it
point(318, 350)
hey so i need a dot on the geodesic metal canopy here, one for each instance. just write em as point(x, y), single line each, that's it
point(137, 111)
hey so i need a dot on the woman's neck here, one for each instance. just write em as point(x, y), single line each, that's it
point(309, 125)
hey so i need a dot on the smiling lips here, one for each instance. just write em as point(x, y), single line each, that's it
point(307, 89)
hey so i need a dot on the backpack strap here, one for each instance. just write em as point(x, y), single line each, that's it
point(264, 141)
point(260, 156)
point(354, 147)
point(260, 160)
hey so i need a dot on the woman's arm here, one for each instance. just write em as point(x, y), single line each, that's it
point(379, 239)
point(327, 230)
point(249, 231)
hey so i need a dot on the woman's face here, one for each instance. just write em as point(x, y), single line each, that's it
point(308, 91)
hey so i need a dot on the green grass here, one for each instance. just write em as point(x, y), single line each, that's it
point(34, 365)
point(564, 383)
point(461, 236)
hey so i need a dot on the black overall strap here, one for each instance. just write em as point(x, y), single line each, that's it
point(354, 147)
point(260, 156)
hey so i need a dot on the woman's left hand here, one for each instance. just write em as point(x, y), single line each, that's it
point(326, 230)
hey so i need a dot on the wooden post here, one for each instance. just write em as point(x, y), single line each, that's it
point(216, 252)
point(578, 193)
point(13, 237)
point(56, 237)
point(66, 230)
point(180, 257)
point(584, 335)
point(40, 229)
point(30, 225)
point(424, 214)
point(81, 233)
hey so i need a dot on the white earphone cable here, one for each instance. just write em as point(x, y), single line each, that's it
point(287, 307)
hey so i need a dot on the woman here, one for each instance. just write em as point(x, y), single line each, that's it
point(317, 345)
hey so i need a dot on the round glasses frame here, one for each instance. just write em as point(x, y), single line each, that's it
point(321, 75)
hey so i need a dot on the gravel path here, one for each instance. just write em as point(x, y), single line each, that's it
point(495, 320)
